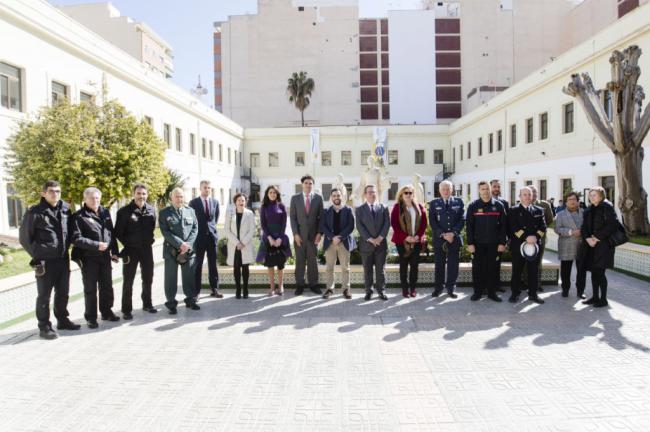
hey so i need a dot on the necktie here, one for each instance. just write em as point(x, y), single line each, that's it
point(207, 209)
point(372, 211)
point(307, 203)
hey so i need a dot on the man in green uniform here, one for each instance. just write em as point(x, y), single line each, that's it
point(179, 228)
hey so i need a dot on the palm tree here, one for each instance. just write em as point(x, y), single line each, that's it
point(174, 180)
point(299, 89)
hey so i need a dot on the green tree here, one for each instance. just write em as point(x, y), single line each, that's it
point(299, 89)
point(174, 180)
point(85, 145)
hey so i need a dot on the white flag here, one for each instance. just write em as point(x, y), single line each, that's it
point(379, 138)
point(315, 143)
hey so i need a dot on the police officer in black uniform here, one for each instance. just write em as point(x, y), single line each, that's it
point(495, 189)
point(134, 226)
point(527, 224)
point(447, 218)
point(486, 237)
point(94, 248)
point(44, 234)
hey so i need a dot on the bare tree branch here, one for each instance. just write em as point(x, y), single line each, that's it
point(642, 127)
point(576, 89)
point(631, 72)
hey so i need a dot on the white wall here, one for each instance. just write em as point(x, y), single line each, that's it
point(51, 46)
point(412, 59)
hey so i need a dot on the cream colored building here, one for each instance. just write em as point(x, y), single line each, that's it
point(260, 52)
point(280, 156)
point(52, 56)
point(136, 38)
point(554, 147)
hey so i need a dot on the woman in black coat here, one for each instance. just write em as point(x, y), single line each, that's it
point(596, 253)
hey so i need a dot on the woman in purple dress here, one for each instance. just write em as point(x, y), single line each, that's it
point(274, 248)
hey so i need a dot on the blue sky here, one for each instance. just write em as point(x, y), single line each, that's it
point(187, 26)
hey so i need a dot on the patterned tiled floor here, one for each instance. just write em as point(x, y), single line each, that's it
point(303, 363)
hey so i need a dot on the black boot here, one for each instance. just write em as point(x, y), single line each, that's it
point(245, 291)
point(594, 298)
point(238, 290)
point(602, 301)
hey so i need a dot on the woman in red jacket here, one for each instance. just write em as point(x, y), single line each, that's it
point(409, 222)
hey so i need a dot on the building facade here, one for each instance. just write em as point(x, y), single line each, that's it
point(135, 38)
point(55, 56)
point(533, 133)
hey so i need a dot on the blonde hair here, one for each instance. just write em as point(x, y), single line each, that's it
point(400, 192)
point(600, 190)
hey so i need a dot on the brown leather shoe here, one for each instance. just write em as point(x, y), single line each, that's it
point(346, 294)
point(328, 293)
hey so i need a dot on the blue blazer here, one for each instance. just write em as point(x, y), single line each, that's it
point(347, 226)
point(446, 219)
point(207, 225)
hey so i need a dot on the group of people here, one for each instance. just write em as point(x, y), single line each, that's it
point(190, 233)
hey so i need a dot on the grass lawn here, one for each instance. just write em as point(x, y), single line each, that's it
point(641, 240)
point(19, 264)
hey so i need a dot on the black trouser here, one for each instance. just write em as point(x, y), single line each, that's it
point(599, 283)
point(408, 266)
point(484, 267)
point(239, 271)
point(446, 263)
point(143, 256)
point(532, 270)
point(497, 272)
point(96, 274)
point(208, 245)
point(565, 274)
point(57, 276)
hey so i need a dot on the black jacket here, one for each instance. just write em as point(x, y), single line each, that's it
point(89, 229)
point(486, 222)
point(45, 230)
point(523, 223)
point(134, 227)
point(599, 221)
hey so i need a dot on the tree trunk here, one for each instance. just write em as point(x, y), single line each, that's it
point(632, 198)
point(302, 117)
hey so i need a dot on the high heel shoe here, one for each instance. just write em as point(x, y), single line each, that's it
point(280, 290)
point(272, 292)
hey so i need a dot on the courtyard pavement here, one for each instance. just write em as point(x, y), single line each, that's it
point(304, 363)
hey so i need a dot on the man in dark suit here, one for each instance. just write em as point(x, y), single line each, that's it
point(447, 218)
point(373, 223)
point(305, 213)
point(337, 225)
point(207, 215)
point(527, 225)
point(495, 189)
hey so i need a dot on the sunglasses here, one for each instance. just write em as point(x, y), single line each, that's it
point(407, 193)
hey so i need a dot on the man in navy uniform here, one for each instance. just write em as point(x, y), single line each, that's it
point(45, 236)
point(495, 189)
point(527, 225)
point(447, 218)
point(207, 215)
point(486, 237)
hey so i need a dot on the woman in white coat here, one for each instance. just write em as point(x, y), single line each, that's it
point(240, 229)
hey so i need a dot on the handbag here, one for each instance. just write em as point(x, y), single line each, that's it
point(619, 237)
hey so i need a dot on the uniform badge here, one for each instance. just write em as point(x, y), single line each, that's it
point(134, 217)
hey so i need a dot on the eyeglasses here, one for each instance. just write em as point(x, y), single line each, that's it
point(407, 193)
